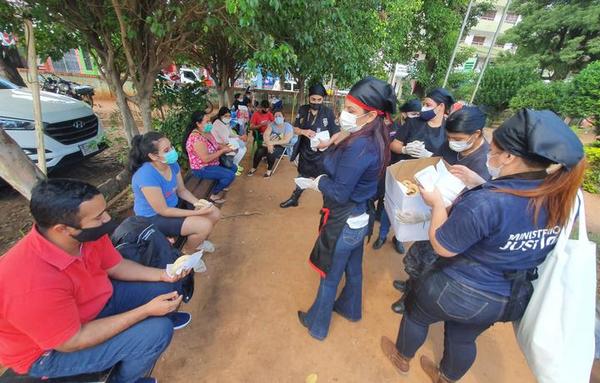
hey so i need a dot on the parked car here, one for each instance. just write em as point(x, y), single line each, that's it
point(72, 131)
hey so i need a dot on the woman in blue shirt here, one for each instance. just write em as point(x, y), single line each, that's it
point(494, 237)
point(157, 185)
point(277, 135)
point(352, 171)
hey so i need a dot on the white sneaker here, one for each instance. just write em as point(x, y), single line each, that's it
point(207, 246)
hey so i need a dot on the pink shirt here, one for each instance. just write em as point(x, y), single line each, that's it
point(211, 145)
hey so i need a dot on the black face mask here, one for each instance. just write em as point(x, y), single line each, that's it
point(94, 233)
point(315, 106)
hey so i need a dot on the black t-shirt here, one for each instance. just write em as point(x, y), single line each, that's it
point(474, 161)
point(415, 129)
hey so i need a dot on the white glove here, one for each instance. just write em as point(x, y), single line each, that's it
point(308, 183)
point(418, 152)
point(412, 217)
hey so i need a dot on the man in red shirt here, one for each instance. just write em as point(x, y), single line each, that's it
point(262, 117)
point(69, 304)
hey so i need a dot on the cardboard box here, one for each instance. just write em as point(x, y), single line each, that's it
point(396, 198)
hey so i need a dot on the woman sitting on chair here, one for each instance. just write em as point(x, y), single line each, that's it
point(277, 135)
point(204, 153)
point(224, 134)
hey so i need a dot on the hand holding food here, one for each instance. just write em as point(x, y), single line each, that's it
point(202, 203)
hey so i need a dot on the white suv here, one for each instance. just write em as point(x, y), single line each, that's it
point(71, 129)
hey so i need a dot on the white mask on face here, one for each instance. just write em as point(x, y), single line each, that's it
point(460, 146)
point(226, 120)
point(494, 171)
point(348, 122)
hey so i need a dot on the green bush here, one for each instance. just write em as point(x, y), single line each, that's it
point(501, 83)
point(540, 95)
point(591, 182)
point(462, 84)
point(585, 96)
point(176, 106)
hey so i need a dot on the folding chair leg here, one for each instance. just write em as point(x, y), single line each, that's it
point(278, 161)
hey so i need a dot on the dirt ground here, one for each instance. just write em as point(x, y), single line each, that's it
point(245, 327)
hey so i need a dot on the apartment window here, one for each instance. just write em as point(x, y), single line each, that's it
point(478, 40)
point(512, 18)
point(489, 16)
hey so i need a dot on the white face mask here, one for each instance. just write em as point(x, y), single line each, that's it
point(226, 120)
point(348, 122)
point(460, 146)
point(494, 172)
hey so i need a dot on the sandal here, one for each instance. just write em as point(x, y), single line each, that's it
point(267, 174)
point(251, 172)
point(217, 201)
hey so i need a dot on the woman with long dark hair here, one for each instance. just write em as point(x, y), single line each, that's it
point(157, 187)
point(204, 153)
point(352, 171)
point(493, 239)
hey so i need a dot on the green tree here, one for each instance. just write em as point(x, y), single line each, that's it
point(540, 95)
point(501, 83)
point(584, 98)
point(561, 36)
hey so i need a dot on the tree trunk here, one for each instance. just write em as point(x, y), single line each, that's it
point(222, 96)
point(114, 83)
point(10, 60)
point(301, 89)
point(229, 94)
point(145, 105)
point(16, 168)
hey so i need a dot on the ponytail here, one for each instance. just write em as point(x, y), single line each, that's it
point(556, 194)
point(141, 146)
point(197, 116)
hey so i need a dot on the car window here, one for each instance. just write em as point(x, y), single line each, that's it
point(5, 84)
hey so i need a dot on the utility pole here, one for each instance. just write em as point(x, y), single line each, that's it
point(35, 91)
point(462, 30)
point(489, 53)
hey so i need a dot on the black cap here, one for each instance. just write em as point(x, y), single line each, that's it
point(441, 96)
point(413, 105)
point(374, 94)
point(317, 90)
point(540, 136)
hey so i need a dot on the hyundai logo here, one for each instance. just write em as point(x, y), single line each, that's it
point(78, 124)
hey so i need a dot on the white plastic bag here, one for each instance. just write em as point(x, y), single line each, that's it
point(556, 333)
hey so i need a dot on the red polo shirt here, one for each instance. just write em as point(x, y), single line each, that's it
point(259, 117)
point(46, 295)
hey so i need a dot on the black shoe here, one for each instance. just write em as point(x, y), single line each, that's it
point(398, 306)
point(377, 244)
point(289, 202)
point(302, 318)
point(400, 285)
point(398, 246)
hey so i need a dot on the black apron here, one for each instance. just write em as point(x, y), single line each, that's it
point(333, 220)
point(310, 164)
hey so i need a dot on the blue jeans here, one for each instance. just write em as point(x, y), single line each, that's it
point(465, 311)
point(384, 224)
point(135, 349)
point(346, 258)
point(222, 175)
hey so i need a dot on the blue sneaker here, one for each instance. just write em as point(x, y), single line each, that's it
point(179, 319)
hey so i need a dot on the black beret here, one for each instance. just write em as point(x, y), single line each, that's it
point(441, 96)
point(413, 105)
point(374, 94)
point(317, 90)
point(538, 136)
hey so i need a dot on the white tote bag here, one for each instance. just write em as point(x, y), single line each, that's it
point(556, 333)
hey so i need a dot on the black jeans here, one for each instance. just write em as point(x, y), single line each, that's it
point(271, 157)
point(465, 311)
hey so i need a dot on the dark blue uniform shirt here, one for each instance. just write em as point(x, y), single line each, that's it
point(352, 173)
point(494, 232)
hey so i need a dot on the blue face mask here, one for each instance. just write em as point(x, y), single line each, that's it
point(279, 120)
point(171, 157)
point(207, 128)
point(427, 114)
